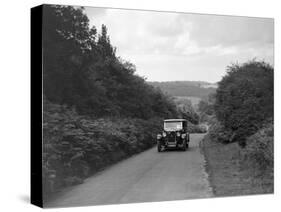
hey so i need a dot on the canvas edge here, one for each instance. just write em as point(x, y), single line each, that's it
point(36, 194)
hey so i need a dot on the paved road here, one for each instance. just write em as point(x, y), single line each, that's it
point(146, 177)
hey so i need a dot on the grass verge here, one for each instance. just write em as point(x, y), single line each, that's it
point(229, 175)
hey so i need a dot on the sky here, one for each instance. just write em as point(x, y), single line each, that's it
point(168, 46)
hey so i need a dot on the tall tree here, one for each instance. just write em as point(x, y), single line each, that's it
point(105, 47)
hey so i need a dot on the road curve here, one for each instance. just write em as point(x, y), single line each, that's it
point(147, 177)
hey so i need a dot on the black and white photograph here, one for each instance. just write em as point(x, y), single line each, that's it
point(150, 106)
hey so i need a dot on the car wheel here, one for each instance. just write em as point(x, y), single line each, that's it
point(184, 146)
point(159, 147)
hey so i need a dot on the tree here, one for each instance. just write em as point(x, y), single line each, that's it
point(67, 40)
point(244, 98)
point(105, 48)
point(82, 70)
point(186, 110)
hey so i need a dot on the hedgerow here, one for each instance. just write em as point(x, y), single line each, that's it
point(76, 146)
point(259, 150)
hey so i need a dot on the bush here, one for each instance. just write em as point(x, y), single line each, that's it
point(244, 98)
point(76, 146)
point(259, 150)
point(219, 133)
point(206, 109)
point(192, 128)
point(186, 110)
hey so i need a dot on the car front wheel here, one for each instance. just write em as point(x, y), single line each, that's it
point(184, 146)
point(159, 147)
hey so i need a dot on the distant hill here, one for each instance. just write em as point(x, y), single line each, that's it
point(197, 89)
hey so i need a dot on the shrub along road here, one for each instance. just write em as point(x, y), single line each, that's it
point(146, 177)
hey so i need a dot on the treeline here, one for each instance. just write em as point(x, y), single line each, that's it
point(81, 69)
point(241, 111)
point(185, 88)
point(97, 110)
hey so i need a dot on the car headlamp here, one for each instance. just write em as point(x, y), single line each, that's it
point(164, 134)
point(159, 136)
point(178, 134)
point(183, 135)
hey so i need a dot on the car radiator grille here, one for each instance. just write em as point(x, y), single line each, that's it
point(171, 138)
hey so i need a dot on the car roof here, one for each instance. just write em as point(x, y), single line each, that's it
point(171, 120)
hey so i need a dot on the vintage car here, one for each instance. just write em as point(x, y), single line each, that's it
point(174, 135)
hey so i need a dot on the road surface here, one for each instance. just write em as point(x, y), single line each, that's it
point(147, 177)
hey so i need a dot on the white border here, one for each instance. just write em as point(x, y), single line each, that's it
point(15, 101)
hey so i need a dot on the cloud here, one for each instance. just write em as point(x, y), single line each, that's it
point(178, 46)
point(95, 12)
point(231, 30)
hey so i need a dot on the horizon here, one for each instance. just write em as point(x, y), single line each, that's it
point(171, 46)
point(195, 81)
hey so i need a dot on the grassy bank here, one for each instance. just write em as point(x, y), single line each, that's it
point(230, 174)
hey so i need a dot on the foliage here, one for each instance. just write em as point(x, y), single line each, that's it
point(231, 173)
point(199, 128)
point(186, 110)
point(206, 105)
point(242, 112)
point(259, 151)
point(218, 133)
point(81, 69)
point(96, 109)
point(258, 157)
point(76, 146)
point(244, 98)
point(206, 108)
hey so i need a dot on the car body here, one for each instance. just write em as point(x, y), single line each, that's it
point(174, 135)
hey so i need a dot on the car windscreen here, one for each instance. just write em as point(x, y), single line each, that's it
point(172, 126)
